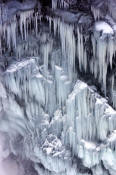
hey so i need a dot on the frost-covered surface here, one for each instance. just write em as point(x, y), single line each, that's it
point(50, 120)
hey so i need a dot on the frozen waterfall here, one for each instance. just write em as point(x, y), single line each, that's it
point(57, 89)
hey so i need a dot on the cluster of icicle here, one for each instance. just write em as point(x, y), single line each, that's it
point(59, 3)
point(104, 51)
point(49, 113)
point(9, 30)
point(96, 13)
point(88, 124)
point(53, 118)
point(72, 47)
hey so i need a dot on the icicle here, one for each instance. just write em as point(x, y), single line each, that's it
point(60, 4)
point(67, 41)
point(13, 34)
point(10, 29)
point(102, 51)
point(55, 23)
point(54, 4)
point(96, 13)
point(111, 51)
point(50, 22)
point(25, 18)
point(80, 49)
point(63, 4)
point(46, 49)
point(63, 86)
point(113, 91)
point(36, 23)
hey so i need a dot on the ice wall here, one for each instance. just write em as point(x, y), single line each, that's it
point(103, 47)
point(102, 40)
point(51, 117)
point(88, 130)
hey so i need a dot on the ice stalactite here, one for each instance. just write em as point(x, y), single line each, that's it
point(104, 51)
point(81, 51)
point(36, 23)
point(46, 50)
point(59, 4)
point(94, 121)
point(11, 34)
point(63, 86)
point(101, 51)
point(113, 90)
point(67, 39)
point(8, 28)
point(25, 23)
point(111, 51)
point(8, 33)
point(28, 45)
point(28, 22)
point(96, 13)
point(0, 42)
point(63, 4)
point(54, 4)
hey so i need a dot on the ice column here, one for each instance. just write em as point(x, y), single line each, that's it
point(25, 21)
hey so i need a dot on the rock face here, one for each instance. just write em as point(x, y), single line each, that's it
point(57, 88)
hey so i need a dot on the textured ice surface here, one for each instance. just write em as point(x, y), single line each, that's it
point(51, 117)
point(46, 141)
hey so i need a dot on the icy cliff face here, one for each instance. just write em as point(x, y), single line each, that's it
point(51, 121)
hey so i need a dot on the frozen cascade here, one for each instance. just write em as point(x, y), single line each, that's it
point(69, 53)
point(85, 126)
point(97, 117)
point(103, 49)
point(50, 116)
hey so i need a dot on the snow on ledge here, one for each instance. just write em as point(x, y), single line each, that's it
point(104, 27)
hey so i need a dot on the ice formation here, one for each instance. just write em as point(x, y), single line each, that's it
point(103, 48)
point(59, 3)
point(96, 13)
point(50, 116)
